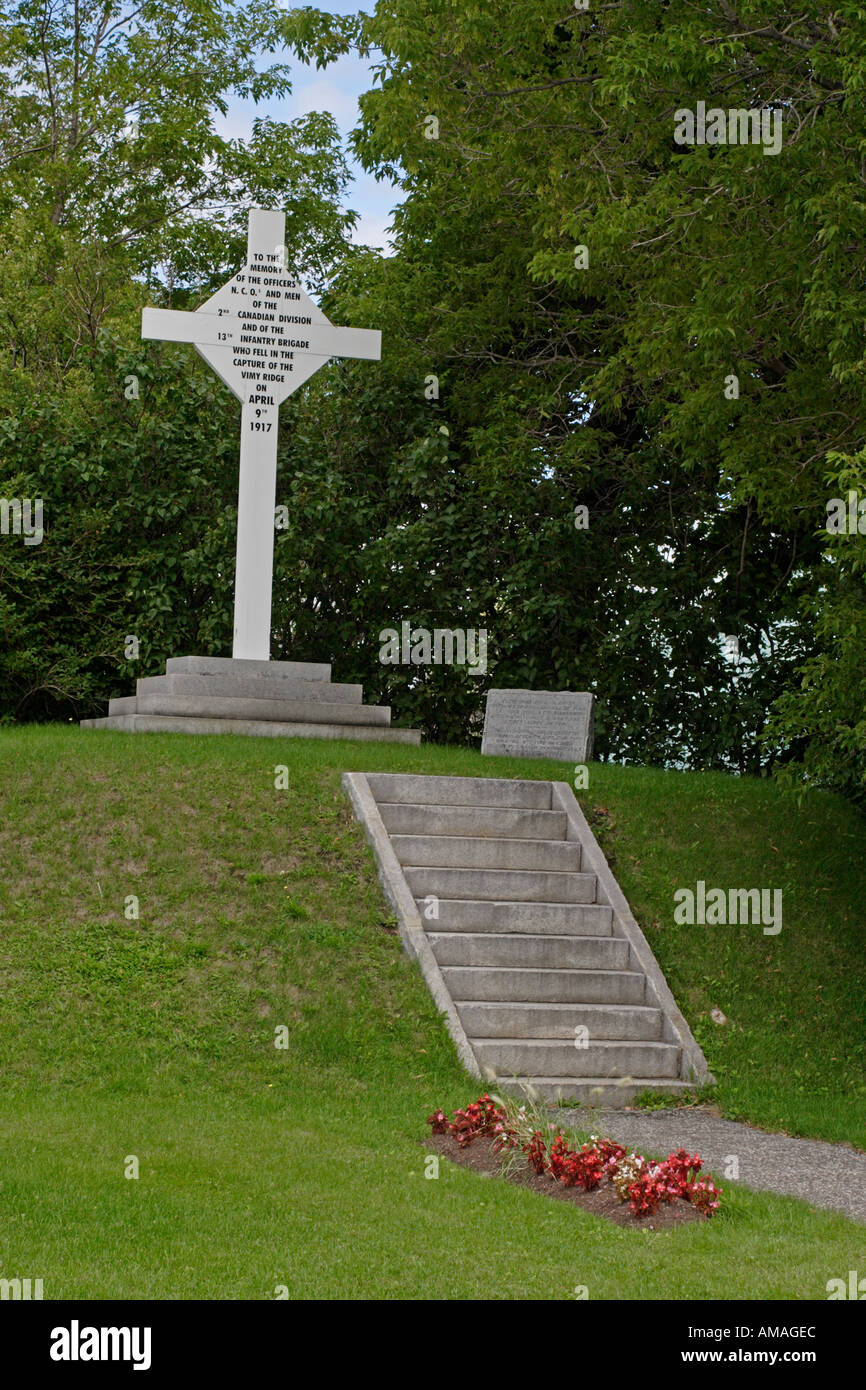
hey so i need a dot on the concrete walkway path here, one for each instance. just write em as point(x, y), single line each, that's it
point(827, 1175)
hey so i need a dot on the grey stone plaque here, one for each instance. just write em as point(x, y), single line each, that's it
point(539, 724)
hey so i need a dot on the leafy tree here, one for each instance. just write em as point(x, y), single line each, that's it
point(668, 335)
point(118, 190)
point(607, 375)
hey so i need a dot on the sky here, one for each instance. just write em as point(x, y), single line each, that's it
point(335, 89)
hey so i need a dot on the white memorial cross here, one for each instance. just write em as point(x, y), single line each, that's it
point(265, 337)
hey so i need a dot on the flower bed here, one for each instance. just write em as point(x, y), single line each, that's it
point(523, 1151)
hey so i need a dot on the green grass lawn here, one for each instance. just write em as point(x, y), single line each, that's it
point(300, 1167)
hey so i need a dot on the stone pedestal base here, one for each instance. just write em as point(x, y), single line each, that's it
point(275, 699)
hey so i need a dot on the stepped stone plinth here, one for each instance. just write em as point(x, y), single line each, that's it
point(272, 699)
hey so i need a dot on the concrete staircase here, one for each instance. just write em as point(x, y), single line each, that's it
point(526, 940)
point(277, 699)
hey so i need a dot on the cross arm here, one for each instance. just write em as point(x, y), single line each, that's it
point(179, 326)
point(214, 330)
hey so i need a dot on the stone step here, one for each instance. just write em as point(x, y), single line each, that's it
point(515, 1057)
point(249, 688)
point(594, 1090)
point(510, 951)
point(619, 1022)
point(533, 965)
point(459, 791)
point(310, 711)
point(561, 919)
point(459, 852)
point(237, 666)
point(261, 728)
point(501, 885)
point(121, 704)
point(591, 984)
point(406, 818)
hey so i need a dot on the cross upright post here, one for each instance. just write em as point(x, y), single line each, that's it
point(264, 337)
point(257, 481)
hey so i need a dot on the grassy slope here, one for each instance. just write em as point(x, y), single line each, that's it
point(793, 1053)
point(259, 908)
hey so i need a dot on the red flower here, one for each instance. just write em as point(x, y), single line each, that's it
point(535, 1152)
point(645, 1186)
point(483, 1117)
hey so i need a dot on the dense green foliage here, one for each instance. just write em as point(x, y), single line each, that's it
point(607, 385)
point(110, 159)
point(564, 380)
